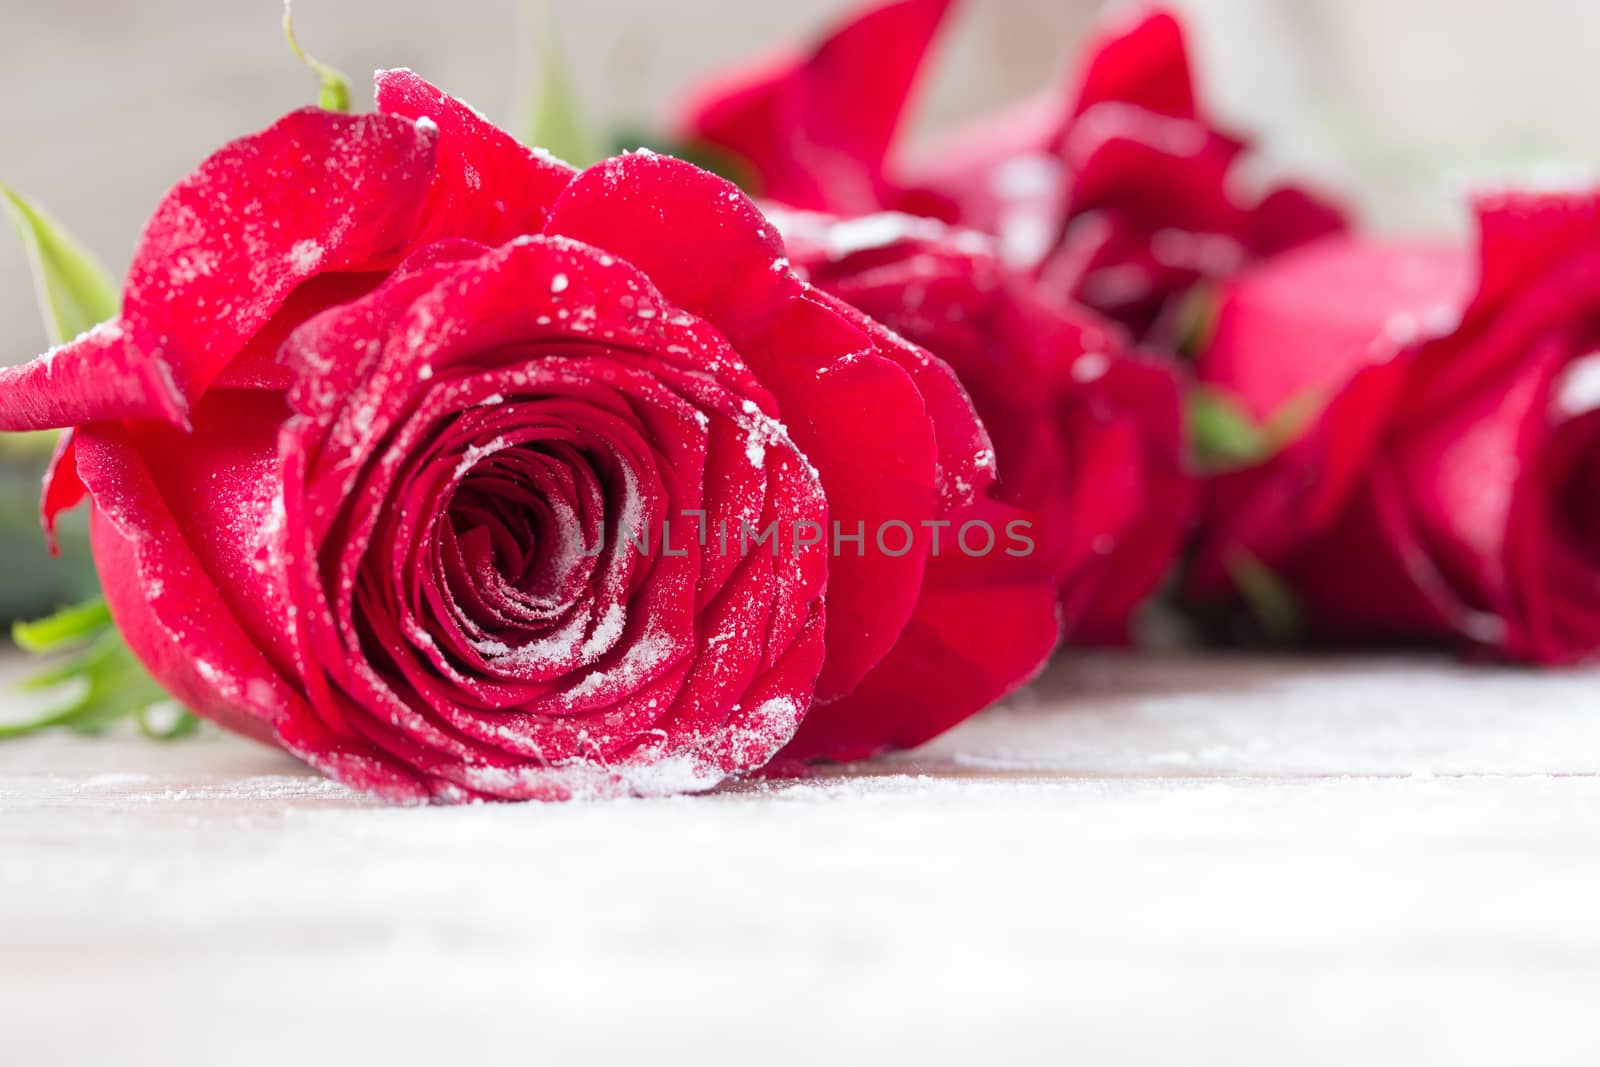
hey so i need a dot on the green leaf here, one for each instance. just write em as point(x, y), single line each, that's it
point(333, 88)
point(105, 681)
point(1271, 600)
point(555, 122)
point(1290, 421)
point(36, 445)
point(32, 581)
point(1197, 318)
point(1222, 433)
point(70, 626)
point(74, 290)
point(705, 156)
point(1224, 437)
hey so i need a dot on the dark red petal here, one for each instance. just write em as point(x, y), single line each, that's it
point(1155, 171)
point(704, 244)
point(852, 404)
point(100, 375)
point(861, 422)
point(1461, 471)
point(1306, 322)
point(1523, 233)
point(63, 489)
point(173, 614)
point(190, 560)
point(983, 628)
point(1144, 63)
point(486, 186)
point(1553, 548)
point(1493, 340)
point(1372, 576)
point(1273, 511)
point(1130, 559)
point(765, 719)
point(817, 128)
point(1289, 217)
point(966, 463)
point(315, 192)
point(1345, 311)
point(395, 631)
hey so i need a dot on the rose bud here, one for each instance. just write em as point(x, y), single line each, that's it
point(1088, 434)
point(389, 405)
point(1116, 190)
point(1439, 480)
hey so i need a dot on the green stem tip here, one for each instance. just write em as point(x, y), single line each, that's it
point(333, 88)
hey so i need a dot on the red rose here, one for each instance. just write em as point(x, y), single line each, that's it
point(1115, 193)
point(1087, 434)
point(1445, 485)
point(389, 392)
point(815, 128)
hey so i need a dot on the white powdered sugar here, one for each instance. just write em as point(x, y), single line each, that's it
point(1209, 253)
point(1028, 176)
point(842, 239)
point(108, 332)
point(1026, 235)
point(762, 432)
point(548, 653)
point(476, 454)
point(1089, 367)
point(306, 256)
point(1578, 390)
point(1171, 135)
point(644, 658)
point(606, 634)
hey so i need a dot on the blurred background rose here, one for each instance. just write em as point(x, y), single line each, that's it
point(103, 105)
point(1395, 102)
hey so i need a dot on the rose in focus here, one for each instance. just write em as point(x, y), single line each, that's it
point(388, 395)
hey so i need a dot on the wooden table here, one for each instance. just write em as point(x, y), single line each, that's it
point(1141, 861)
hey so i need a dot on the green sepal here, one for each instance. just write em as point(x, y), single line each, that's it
point(554, 120)
point(705, 156)
point(333, 88)
point(1197, 318)
point(109, 682)
point(30, 447)
point(1224, 437)
point(66, 628)
point(1271, 600)
point(75, 292)
point(33, 582)
point(1222, 433)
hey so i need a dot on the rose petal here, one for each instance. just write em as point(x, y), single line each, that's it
point(314, 192)
point(63, 489)
point(486, 186)
point(983, 627)
point(637, 206)
point(816, 129)
point(1143, 62)
point(98, 375)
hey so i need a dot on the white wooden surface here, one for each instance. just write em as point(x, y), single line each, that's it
point(1225, 861)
